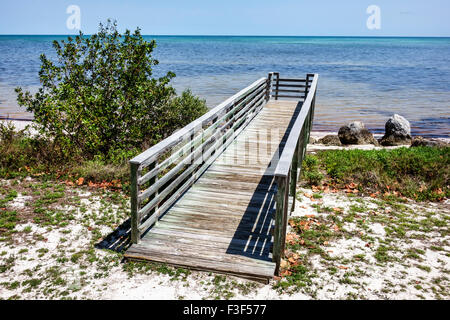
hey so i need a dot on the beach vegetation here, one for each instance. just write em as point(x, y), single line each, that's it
point(98, 106)
point(421, 173)
point(99, 99)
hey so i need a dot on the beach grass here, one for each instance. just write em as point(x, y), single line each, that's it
point(421, 173)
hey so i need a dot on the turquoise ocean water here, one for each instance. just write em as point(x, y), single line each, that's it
point(365, 79)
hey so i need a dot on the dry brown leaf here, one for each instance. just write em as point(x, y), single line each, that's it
point(80, 181)
point(284, 264)
point(285, 273)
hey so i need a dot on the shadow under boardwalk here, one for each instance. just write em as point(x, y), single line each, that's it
point(223, 222)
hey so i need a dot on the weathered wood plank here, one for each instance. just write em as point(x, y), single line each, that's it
point(196, 245)
point(197, 263)
point(183, 234)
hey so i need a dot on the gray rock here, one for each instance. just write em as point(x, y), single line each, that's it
point(330, 140)
point(390, 141)
point(398, 126)
point(356, 133)
point(423, 142)
point(397, 132)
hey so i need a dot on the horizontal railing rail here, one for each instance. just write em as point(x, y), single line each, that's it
point(288, 87)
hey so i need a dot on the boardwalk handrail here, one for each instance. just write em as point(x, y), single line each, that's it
point(197, 146)
point(288, 167)
point(304, 117)
point(290, 88)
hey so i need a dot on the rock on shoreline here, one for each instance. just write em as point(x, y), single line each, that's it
point(356, 133)
point(397, 133)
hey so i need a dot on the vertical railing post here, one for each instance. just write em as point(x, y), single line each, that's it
point(313, 106)
point(277, 84)
point(285, 214)
point(281, 217)
point(300, 152)
point(134, 170)
point(294, 170)
point(269, 85)
point(151, 182)
point(307, 86)
point(276, 252)
point(191, 137)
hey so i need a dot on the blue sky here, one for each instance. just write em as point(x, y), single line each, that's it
point(231, 17)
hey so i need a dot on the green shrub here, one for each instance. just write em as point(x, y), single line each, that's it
point(310, 170)
point(18, 149)
point(99, 97)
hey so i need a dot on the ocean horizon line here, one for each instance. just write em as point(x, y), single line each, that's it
point(249, 36)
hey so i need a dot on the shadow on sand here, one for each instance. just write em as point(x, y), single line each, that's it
point(118, 240)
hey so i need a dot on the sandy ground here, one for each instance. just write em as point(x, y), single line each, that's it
point(380, 250)
point(62, 255)
point(20, 125)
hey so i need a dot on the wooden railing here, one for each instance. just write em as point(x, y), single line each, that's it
point(289, 164)
point(289, 88)
point(162, 173)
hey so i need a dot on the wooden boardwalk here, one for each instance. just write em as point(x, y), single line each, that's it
point(224, 222)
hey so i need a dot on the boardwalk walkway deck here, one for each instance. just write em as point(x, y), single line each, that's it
point(224, 222)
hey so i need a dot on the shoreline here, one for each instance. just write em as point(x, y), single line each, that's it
point(20, 124)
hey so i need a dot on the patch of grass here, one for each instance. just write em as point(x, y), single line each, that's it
point(421, 173)
point(359, 257)
point(424, 268)
point(99, 171)
point(27, 229)
point(312, 234)
point(11, 285)
point(300, 278)
point(414, 253)
point(8, 220)
point(11, 195)
point(31, 283)
point(8, 264)
point(382, 255)
point(311, 172)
